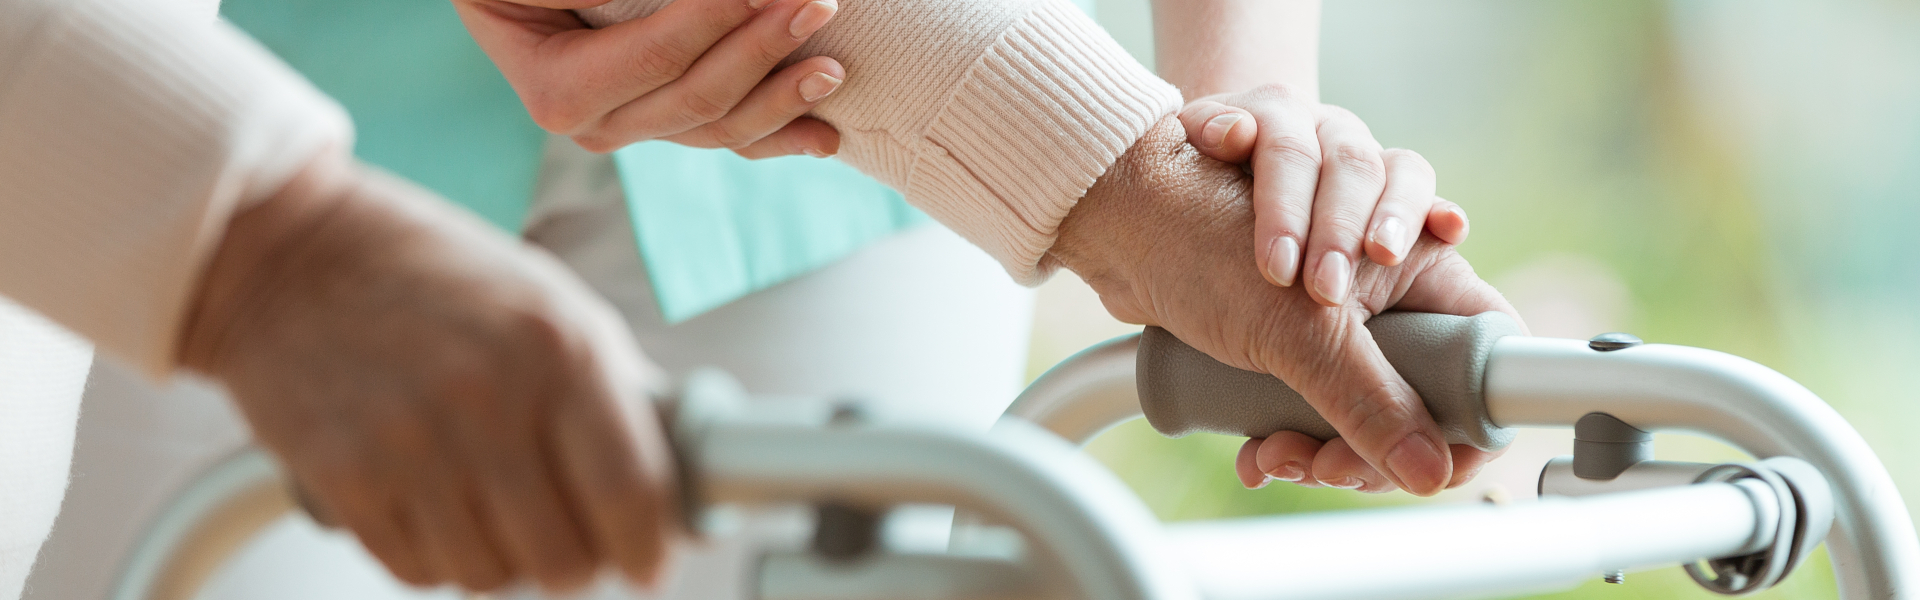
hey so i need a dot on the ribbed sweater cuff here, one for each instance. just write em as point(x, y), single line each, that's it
point(129, 134)
point(1034, 123)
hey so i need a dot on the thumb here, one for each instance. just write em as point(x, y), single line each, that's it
point(1223, 133)
point(1373, 409)
point(1449, 286)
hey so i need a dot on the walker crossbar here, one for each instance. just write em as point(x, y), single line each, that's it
point(1083, 534)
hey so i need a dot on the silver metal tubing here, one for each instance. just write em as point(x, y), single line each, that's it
point(1085, 523)
point(203, 527)
point(806, 576)
point(1553, 382)
point(1086, 394)
point(1477, 550)
point(1557, 479)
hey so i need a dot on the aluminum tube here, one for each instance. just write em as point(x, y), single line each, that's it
point(1085, 523)
point(1086, 394)
point(1454, 551)
point(1557, 479)
point(805, 576)
point(1553, 382)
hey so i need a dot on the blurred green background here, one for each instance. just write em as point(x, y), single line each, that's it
point(1737, 175)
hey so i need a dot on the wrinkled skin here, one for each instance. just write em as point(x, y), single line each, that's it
point(457, 399)
point(1162, 238)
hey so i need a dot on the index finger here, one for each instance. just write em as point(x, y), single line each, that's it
point(621, 481)
point(1373, 408)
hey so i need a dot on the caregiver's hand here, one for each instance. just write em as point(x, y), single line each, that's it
point(1161, 236)
point(457, 399)
point(695, 73)
point(1325, 193)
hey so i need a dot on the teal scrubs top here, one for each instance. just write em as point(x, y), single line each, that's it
point(429, 106)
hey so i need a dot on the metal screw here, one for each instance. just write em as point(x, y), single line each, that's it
point(1615, 576)
point(1608, 342)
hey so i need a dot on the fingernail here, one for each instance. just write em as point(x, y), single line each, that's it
point(1419, 463)
point(758, 4)
point(1283, 260)
point(1460, 479)
point(817, 86)
point(1392, 235)
point(816, 153)
point(1462, 213)
point(1214, 134)
point(1263, 483)
point(1345, 483)
point(811, 18)
point(1290, 472)
point(1335, 276)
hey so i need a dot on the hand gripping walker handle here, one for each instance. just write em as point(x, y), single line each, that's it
point(1444, 358)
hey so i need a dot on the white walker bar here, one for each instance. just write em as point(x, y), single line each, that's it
point(1080, 533)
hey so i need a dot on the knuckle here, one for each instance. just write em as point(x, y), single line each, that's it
point(1375, 415)
point(1333, 112)
point(1278, 91)
point(1359, 162)
point(660, 59)
point(1290, 151)
point(730, 138)
point(541, 332)
point(1405, 158)
point(770, 52)
point(556, 113)
point(701, 107)
point(405, 431)
point(597, 142)
point(1346, 227)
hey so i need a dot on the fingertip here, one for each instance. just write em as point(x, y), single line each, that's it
point(1389, 242)
point(1419, 464)
point(1245, 468)
point(1196, 113)
point(823, 64)
point(1448, 222)
point(1332, 279)
point(1280, 262)
point(1286, 455)
point(1468, 461)
point(804, 136)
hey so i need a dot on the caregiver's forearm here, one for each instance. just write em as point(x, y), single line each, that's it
point(993, 116)
point(1209, 47)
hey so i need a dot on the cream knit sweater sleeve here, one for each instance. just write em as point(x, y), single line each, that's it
point(130, 130)
point(993, 116)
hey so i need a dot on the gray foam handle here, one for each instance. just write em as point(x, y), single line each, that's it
point(1444, 358)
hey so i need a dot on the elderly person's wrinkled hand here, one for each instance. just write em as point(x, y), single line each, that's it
point(457, 399)
point(698, 72)
point(1162, 238)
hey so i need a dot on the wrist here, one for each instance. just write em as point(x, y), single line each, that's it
point(257, 252)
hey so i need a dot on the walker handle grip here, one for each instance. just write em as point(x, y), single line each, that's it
point(1444, 358)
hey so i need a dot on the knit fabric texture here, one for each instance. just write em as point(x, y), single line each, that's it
point(130, 131)
point(993, 116)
